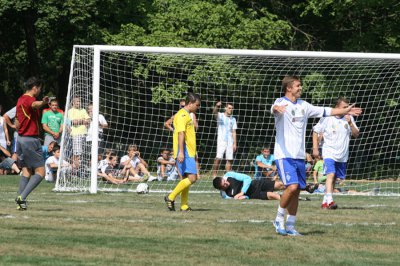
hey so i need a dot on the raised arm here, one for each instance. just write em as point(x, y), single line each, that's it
point(216, 109)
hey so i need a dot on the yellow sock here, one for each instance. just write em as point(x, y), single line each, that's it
point(185, 198)
point(184, 183)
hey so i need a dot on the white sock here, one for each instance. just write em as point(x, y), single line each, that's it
point(290, 222)
point(280, 216)
point(329, 198)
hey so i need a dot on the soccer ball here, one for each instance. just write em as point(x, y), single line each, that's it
point(142, 188)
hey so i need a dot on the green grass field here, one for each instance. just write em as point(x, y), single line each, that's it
point(132, 229)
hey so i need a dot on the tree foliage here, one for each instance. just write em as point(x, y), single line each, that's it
point(36, 36)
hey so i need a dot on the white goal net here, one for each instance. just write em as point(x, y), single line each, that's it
point(137, 89)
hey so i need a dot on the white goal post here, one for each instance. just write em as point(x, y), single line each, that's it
point(137, 89)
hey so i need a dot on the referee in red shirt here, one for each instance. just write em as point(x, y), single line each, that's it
point(29, 148)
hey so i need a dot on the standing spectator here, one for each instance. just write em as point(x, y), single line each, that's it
point(185, 152)
point(79, 119)
point(9, 118)
point(265, 164)
point(4, 137)
point(166, 169)
point(291, 115)
point(169, 123)
point(337, 131)
point(52, 122)
point(226, 143)
point(102, 124)
point(28, 146)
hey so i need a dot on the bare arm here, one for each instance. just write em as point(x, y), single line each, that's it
point(315, 143)
point(354, 130)
point(351, 110)
point(6, 134)
point(168, 124)
point(8, 121)
point(5, 151)
point(181, 142)
point(215, 110)
point(40, 104)
point(234, 140)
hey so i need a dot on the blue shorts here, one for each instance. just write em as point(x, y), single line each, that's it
point(188, 166)
point(336, 168)
point(292, 171)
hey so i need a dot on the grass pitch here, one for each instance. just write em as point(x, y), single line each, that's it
point(132, 229)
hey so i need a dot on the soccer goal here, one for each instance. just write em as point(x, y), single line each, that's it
point(137, 89)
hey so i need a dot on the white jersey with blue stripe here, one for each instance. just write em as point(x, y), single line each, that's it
point(337, 133)
point(291, 127)
point(226, 125)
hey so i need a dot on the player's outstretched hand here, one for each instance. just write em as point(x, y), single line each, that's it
point(354, 111)
point(279, 108)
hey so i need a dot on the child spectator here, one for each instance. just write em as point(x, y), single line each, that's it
point(265, 164)
point(48, 150)
point(110, 172)
point(166, 169)
point(318, 174)
point(51, 165)
point(137, 163)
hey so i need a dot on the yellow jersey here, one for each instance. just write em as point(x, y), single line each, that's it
point(184, 123)
point(74, 114)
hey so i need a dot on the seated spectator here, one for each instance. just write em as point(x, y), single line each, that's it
point(51, 165)
point(6, 162)
point(240, 186)
point(264, 165)
point(318, 174)
point(166, 169)
point(110, 172)
point(48, 150)
point(137, 163)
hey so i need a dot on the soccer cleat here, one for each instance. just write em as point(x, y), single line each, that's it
point(324, 205)
point(293, 232)
point(187, 210)
point(332, 206)
point(279, 228)
point(310, 188)
point(170, 203)
point(22, 206)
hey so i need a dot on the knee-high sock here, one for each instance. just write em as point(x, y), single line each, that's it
point(22, 184)
point(34, 181)
point(185, 198)
point(184, 183)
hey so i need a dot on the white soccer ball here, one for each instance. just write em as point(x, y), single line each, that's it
point(142, 188)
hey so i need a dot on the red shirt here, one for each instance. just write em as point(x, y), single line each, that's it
point(27, 116)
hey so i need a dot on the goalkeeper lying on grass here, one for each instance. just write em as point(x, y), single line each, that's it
point(241, 186)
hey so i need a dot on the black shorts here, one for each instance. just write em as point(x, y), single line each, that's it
point(259, 188)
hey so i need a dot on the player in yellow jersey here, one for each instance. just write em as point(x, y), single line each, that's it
point(184, 152)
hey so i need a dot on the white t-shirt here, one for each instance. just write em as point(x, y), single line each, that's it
point(226, 125)
point(337, 134)
point(102, 121)
point(11, 114)
point(50, 173)
point(134, 162)
point(102, 164)
point(291, 127)
point(169, 168)
point(3, 140)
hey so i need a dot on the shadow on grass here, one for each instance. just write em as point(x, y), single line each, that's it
point(50, 210)
point(352, 208)
point(316, 232)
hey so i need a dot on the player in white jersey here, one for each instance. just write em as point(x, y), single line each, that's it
point(336, 132)
point(291, 115)
point(226, 142)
